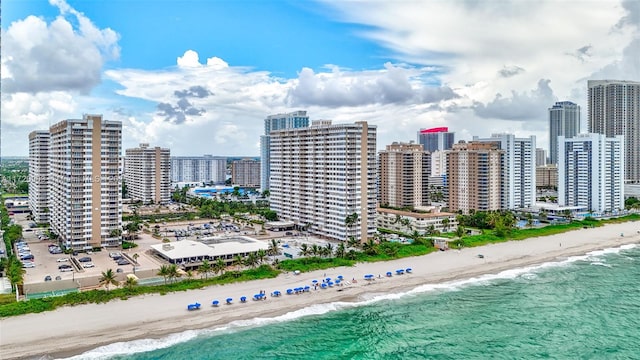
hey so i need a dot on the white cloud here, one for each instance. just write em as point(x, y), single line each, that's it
point(484, 67)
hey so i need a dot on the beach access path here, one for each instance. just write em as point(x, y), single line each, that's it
point(72, 330)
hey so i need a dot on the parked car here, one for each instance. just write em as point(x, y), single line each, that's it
point(85, 259)
point(28, 264)
point(62, 260)
point(26, 257)
point(47, 278)
point(88, 265)
point(123, 262)
point(66, 269)
point(58, 277)
point(65, 266)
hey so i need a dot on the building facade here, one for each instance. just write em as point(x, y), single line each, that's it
point(474, 176)
point(591, 172)
point(541, 157)
point(246, 173)
point(547, 176)
point(564, 120)
point(85, 192)
point(203, 169)
point(292, 120)
point(614, 109)
point(324, 177)
point(424, 223)
point(404, 170)
point(39, 175)
point(436, 139)
point(518, 166)
point(147, 174)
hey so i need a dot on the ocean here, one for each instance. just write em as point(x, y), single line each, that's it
point(584, 307)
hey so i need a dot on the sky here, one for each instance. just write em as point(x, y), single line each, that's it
point(200, 76)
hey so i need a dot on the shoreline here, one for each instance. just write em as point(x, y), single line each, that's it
point(70, 331)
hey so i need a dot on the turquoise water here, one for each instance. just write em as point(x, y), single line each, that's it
point(586, 307)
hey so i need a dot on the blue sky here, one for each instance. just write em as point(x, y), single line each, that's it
point(200, 76)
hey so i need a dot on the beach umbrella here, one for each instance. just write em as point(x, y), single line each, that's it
point(328, 279)
point(408, 270)
point(307, 287)
point(330, 283)
point(215, 302)
point(314, 281)
point(276, 293)
point(337, 281)
point(340, 277)
point(389, 273)
point(289, 291)
point(243, 299)
point(324, 286)
point(229, 300)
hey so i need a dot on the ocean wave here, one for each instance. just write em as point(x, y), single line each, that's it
point(527, 273)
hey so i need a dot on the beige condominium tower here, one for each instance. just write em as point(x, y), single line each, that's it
point(85, 193)
point(147, 174)
point(404, 170)
point(324, 177)
point(39, 175)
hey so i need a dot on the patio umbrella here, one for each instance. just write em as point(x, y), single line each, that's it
point(307, 287)
point(215, 302)
point(314, 281)
point(289, 291)
point(243, 299)
point(340, 277)
point(324, 286)
point(229, 300)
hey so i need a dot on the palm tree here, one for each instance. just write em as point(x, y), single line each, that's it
point(164, 272)
point(352, 242)
point(329, 249)
point(130, 282)
point(340, 250)
point(173, 272)
point(205, 268)
point(460, 231)
point(135, 257)
point(219, 266)
point(238, 260)
point(273, 248)
point(370, 247)
point(315, 250)
point(251, 260)
point(261, 255)
point(304, 250)
point(108, 278)
point(445, 224)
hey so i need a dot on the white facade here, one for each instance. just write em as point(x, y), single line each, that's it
point(331, 175)
point(518, 178)
point(85, 193)
point(203, 169)
point(408, 222)
point(38, 175)
point(292, 120)
point(438, 163)
point(245, 173)
point(591, 172)
point(147, 174)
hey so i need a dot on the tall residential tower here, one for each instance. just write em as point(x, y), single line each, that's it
point(85, 193)
point(614, 109)
point(436, 139)
point(39, 175)
point(404, 172)
point(147, 174)
point(564, 120)
point(324, 177)
point(292, 120)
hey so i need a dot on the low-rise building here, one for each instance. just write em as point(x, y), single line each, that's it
point(189, 254)
point(407, 222)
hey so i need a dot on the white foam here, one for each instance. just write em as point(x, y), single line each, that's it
point(528, 273)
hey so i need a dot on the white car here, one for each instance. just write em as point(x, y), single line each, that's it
point(62, 260)
point(66, 269)
point(28, 264)
point(88, 265)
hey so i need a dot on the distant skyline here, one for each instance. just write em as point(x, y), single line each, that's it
point(200, 77)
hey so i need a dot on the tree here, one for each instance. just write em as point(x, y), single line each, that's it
point(352, 242)
point(135, 257)
point(238, 260)
point(273, 248)
point(164, 272)
point(304, 250)
point(340, 250)
point(205, 268)
point(370, 247)
point(108, 278)
point(173, 272)
point(219, 266)
point(460, 231)
point(130, 282)
point(261, 255)
point(445, 224)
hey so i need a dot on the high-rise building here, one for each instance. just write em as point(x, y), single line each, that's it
point(147, 174)
point(205, 169)
point(473, 173)
point(436, 139)
point(541, 157)
point(614, 109)
point(292, 120)
point(85, 192)
point(38, 175)
point(404, 171)
point(564, 120)
point(518, 166)
point(245, 172)
point(591, 172)
point(324, 177)
point(547, 176)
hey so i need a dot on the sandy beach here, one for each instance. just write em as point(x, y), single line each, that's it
point(72, 330)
